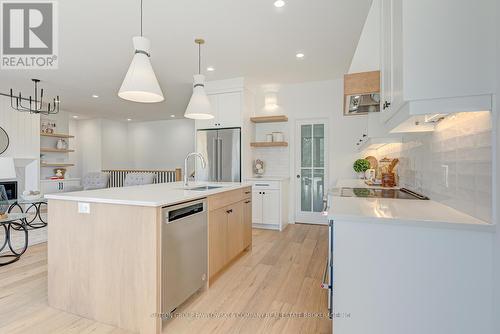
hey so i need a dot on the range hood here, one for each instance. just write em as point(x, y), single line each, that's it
point(423, 115)
point(362, 104)
point(361, 93)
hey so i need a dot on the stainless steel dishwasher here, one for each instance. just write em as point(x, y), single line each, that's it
point(184, 252)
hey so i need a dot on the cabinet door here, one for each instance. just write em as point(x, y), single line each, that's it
point(210, 123)
point(229, 109)
point(217, 240)
point(387, 54)
point(257, 207)
point(235, 230)
point(247, 223)
point(70, 185)
point(271, 207)
point(50, 187)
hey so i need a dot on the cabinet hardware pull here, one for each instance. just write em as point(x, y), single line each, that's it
point(247, 202)
point(229, 211)
point(247, 192)
point(386, 105)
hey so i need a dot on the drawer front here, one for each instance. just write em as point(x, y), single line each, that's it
point(263, 185)
point(218, 201)
point(247, 193)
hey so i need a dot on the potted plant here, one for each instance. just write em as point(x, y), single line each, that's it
point(361, 166)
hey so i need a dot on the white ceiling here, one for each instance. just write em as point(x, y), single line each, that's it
point(248, 38)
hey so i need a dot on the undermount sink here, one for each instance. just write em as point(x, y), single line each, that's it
point(205, 188)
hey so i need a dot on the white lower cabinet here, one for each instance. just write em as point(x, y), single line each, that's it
point(269, 203)
point(59, 186)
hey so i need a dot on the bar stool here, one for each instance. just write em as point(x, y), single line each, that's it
point(13, 222)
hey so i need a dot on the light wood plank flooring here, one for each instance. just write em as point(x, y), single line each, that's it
point(281, 274)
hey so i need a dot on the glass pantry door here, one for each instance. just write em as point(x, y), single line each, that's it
point(311, 176)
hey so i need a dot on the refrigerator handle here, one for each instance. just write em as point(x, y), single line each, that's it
point(219, 160)
point(214, 161)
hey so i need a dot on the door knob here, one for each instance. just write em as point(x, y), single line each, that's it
point(298, 176)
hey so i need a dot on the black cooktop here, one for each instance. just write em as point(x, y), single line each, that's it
point(381, 193)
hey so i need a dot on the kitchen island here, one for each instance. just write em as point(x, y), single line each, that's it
point(408, 266)
point(105, 252)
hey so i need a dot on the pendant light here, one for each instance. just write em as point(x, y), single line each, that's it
point(199, 106)
point(140, 83)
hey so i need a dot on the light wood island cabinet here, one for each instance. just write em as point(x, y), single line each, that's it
point(105, 248)
point(229, 228)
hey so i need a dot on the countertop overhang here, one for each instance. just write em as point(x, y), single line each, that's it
point(151, 195)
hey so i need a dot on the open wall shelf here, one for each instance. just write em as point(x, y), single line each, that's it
point(269, 119)
point(49, 164)
point(269, 144)
point(55, 150)
point(56, 135)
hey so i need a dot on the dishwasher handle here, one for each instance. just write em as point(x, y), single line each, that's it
point(184, 212)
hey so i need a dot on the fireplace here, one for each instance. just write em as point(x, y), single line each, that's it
point(10, 189)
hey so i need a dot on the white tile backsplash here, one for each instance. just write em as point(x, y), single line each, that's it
point(452, 165)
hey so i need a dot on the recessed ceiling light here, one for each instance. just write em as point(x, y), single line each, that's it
point(210, 68)
point(129, 119)
point(173, 116)
point(279, 3)
point(300, 55)
point(74, 116)
point(95, 96)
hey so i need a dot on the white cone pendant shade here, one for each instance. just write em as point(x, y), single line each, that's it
point(199, 106)
point(140, 83)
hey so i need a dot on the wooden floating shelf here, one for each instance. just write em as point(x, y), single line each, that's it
point(56, 135)
point(56, 165)
point(269, 119)
point(55, 150)
point(269, 144)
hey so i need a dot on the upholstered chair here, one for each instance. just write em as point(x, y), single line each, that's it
point(138, 179)
point(95, 180)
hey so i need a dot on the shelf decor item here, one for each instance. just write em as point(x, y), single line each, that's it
point(61, 144)
point(361, 166)
point(47, 127)
point(258, 167)
point(60, 173)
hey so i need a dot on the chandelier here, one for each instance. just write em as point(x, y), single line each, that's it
point(34, 104)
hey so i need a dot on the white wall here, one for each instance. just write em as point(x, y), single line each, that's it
point(160, 144)
point(115, 145)
point(367, 55)
point(23, 130)
point(106, 144)
point(313, 100)
point(89, 139)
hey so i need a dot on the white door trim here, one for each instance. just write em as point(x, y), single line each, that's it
point(309, 217)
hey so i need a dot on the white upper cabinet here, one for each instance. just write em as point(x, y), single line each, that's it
point(437, 57)
point(227, 109)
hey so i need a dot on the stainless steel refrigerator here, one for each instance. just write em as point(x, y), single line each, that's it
point(222, 151)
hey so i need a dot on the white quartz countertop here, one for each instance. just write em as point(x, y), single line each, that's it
point(426, 213)
point(268, 178)
point(154, 195)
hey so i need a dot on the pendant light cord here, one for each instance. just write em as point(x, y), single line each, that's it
point(141, 18)
point(199, 58)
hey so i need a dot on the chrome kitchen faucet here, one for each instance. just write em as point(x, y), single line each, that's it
point(203, 165)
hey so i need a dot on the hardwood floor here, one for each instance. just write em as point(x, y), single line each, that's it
point(282, 273)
